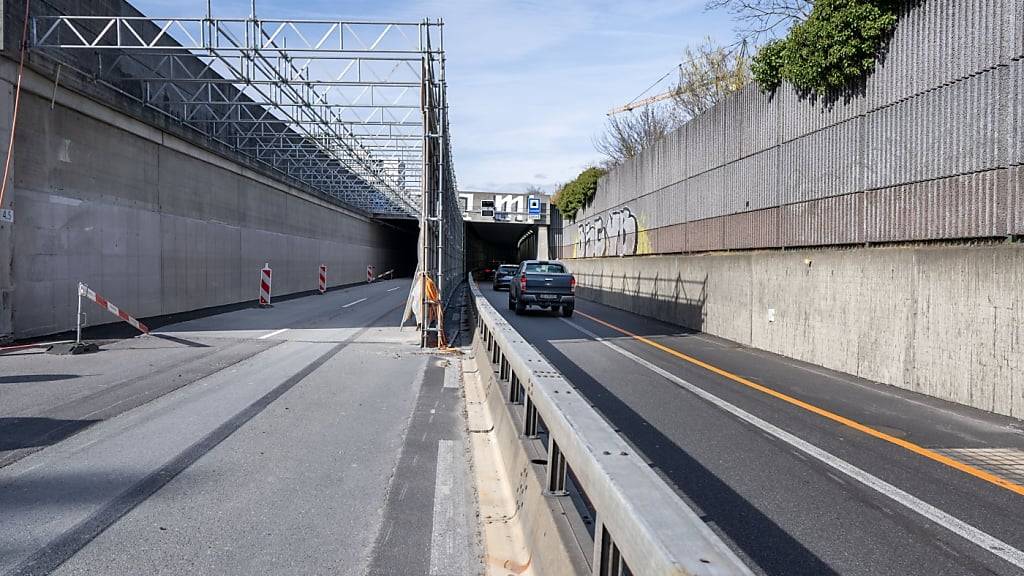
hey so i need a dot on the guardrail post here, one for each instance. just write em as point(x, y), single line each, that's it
point(504, 368)
point(515, 390)
point(607, 558)
point(530, 423)
point(495, 353)
point(556, 470)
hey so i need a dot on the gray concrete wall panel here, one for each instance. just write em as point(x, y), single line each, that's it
point(829, 221)
point(957, 312)
point(156, 230)
point(1015, 201)
point(945, 104)
point(969, 206)
point(752, 229)
point(1015, 111)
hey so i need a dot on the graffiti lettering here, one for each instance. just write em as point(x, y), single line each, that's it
point(619, 238)
point(622, 230)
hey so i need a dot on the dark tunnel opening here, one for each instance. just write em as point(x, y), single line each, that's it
point(489, 244)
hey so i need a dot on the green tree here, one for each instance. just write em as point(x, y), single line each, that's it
point(836, 45)
point(577, 193)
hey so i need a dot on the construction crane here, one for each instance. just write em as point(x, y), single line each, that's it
point(742, 57)
point(649, 100)
point(641, 103)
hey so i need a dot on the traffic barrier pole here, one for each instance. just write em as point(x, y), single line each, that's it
point(323, 279)
point(265, 285)
point(370, 273)
point(84, 290)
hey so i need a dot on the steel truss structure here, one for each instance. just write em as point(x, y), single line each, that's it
point(354, 109)
point(442, 243)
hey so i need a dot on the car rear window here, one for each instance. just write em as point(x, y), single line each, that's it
point(548, 268)
point(508, 269)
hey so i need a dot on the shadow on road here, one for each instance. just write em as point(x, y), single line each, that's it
point(29, 378)
point(763, 541)
point(33, 432)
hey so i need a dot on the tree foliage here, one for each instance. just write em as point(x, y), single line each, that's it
point(576, 194)
point(625, 135)
point(836, 45)
point(708, 74)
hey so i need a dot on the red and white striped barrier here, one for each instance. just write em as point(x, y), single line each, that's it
point(265, 285)
point(322, 286)
point(371, 271)
point(84, 290)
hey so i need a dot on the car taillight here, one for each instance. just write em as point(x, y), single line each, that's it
point(572, 284)
point(522, 283)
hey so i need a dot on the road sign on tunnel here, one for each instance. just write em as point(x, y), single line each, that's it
point(534, 206)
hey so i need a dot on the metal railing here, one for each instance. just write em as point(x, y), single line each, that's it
point(641, 527)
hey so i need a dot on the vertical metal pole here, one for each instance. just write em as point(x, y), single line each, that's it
point(424, 197)
point(78, 319)
point(442, 140)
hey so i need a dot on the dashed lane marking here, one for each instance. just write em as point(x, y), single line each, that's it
point(947, 521)
point(354, 303)
point(393, 289)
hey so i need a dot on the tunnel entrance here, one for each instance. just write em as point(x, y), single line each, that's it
point(489, 244)
point(401, 238)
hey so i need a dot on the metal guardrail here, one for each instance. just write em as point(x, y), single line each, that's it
point(642, 527)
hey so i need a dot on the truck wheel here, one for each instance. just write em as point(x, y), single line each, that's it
point(567, 311)
point(520, 307)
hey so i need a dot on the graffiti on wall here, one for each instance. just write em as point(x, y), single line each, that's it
point(618, 234)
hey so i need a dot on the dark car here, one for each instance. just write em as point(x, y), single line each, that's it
point(503, 274)
point(548, 285)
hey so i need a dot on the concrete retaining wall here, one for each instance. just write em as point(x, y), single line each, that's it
point(930, 148)
point(944, 321)
point(929, 151)
point(154, 223)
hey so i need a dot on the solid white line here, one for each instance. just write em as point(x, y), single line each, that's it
point(393, 289)
point(444, 531)
point(353, 303)
point(954, 525)
point(274, 333)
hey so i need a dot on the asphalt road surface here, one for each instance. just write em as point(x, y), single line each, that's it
point(800, 469)
point(314, 437)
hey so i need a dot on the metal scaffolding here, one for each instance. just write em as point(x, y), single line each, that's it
point(338, 105)
point(354, 109)
point(442, 257)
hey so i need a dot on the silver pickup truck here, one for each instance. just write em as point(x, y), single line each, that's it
point(548, 285)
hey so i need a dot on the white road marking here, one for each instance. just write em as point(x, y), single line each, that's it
point(445, 531)
point(951, 523)
point(353, 303)
point(393, 289)
point(274, 333)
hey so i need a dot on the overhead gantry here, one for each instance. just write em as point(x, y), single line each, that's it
point(338, 105)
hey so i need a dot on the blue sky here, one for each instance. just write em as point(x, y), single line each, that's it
point(529, 81)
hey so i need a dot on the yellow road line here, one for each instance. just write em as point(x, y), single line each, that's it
point(919, 450)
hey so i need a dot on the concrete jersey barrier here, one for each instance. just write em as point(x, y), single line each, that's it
point(640, 519)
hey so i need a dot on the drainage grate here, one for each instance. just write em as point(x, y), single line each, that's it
point(1007, 463)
